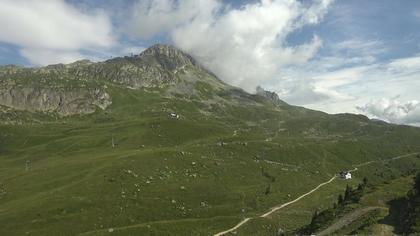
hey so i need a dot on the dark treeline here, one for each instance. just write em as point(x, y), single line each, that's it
point(411, 220)
point(325, 217)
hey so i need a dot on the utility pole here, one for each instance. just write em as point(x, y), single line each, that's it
point(27, 165)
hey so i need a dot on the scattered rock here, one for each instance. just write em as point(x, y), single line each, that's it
point(174, 115)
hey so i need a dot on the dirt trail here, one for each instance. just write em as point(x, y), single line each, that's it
point(272, 210)
point(233, 228)
point(385, 160)
point(297, 199)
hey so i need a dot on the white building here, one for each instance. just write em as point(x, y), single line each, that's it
point(345, 175)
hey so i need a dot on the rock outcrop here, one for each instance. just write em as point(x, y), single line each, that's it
point(54, 99)
point(271, 96)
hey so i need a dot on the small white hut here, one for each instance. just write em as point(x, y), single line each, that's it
point(345, 175)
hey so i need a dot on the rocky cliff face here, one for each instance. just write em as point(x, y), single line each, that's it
point(54, 99)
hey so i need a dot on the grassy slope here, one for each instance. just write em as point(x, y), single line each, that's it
point(385, 218)
point(388, 186)
point(169, 176)
point(387, 196)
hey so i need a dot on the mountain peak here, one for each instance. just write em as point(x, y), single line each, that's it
point(169, 57)
point(160, 49)
point(271, 96)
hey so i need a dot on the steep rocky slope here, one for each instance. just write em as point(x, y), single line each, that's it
point(53, 99)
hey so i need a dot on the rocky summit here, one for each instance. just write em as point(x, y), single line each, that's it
point(80, 87)
point(156, 144)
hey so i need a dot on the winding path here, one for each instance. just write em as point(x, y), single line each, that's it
point(233, 228)
point(297, 199)
point(275, 208)
point(272, 210)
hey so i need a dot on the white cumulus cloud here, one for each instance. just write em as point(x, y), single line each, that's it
point(52, 31)
point(393, 110)
point(150, 17)
point(245, 46)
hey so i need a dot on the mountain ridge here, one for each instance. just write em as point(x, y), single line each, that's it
point(68, 88)
point(56, 87)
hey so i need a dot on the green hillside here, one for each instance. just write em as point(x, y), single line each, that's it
point(157, 145)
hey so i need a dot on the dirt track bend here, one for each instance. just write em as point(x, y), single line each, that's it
point(272, 210)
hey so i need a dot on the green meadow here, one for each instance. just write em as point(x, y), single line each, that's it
point(132, 169)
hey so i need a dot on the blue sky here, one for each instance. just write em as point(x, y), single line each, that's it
point(332, 55)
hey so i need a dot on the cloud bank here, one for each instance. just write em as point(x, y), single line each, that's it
point(393, 110)
point(244, 46)
point(51, 31)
